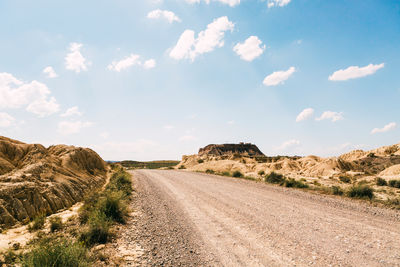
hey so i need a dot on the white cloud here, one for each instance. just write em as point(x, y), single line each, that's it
point(250, 49)
point(35, 96)
point(231, 122)
point(354, 72)
point(289, 144)
point(305, 114)
point(168, 15)
point(184, 45)
point(190, 47)
point(74, 60)
point(386, 128)
point(6, 120)
point(72, 127)
point(124, 63)
point(331, 115)
point(50, 73)
point(74, 111)
point(278, 77)
point(231, 3)
point(132, 60)
point(149, 64)
point(186, 138)
point(280, 3)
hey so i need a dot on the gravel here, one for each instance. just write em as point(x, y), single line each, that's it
point(194, 219)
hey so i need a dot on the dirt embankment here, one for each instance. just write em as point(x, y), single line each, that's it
point(35, 179)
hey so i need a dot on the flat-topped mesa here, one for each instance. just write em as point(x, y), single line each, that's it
point(243, 149)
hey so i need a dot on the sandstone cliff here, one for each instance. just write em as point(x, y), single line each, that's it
point(35, 179)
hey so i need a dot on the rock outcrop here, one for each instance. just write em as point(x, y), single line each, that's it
point(242, 149)
point(35, 179)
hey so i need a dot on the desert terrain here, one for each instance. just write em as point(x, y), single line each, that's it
point(228, 205)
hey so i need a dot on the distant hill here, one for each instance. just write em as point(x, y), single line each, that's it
point(157, 164)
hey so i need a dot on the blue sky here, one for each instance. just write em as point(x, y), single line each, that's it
point(156, 79)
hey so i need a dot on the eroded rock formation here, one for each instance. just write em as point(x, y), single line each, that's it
point(35, 179)
point(242, 149)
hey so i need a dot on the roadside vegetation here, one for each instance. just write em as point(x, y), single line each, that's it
point(73, 243)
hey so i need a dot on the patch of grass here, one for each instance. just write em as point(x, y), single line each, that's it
point(381, 182)
point(345, 179)
point(394, 183)
point(237, 174)
point(37, 223)
point(56, 224)
point(361, 191)
point(200, 161)
point(315, 182)
point(56, 253)
point(393, 202)
point(9, 258)
point(337, 190)
point(120, 181)
point(98, 231)
point(294, 183)
point(226, 174)
point(274, 178)
point(261, 173)
point(209, 171)
point(113, 206)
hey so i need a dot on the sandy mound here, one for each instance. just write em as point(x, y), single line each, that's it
point(391, 171)
point(35, 179)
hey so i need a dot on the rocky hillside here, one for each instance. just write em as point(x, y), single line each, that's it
point(384, 161)
point(241, 149)
point(35, 179)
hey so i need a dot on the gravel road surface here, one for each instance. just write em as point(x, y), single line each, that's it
point(194, 219)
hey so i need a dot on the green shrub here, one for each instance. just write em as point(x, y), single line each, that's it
point(361, 191)
point(200, 161)
point(56, 223)
point(182, 167)
point(120, 181)
point(226, 174)
point(337, 190)
point(381, 182)
point(56, 253)
point(394, 183)
point(261, 173)
point(294, 183)
point(315, 182)
point(113, 206)
point(345, 179)
point(210, 171)
point(274, 178)
point(37, 223)
point(98, 231)
point(89, 204)
point(237, 174)
point(9, 258)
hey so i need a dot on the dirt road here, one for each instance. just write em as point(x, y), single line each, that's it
point(193, 219)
